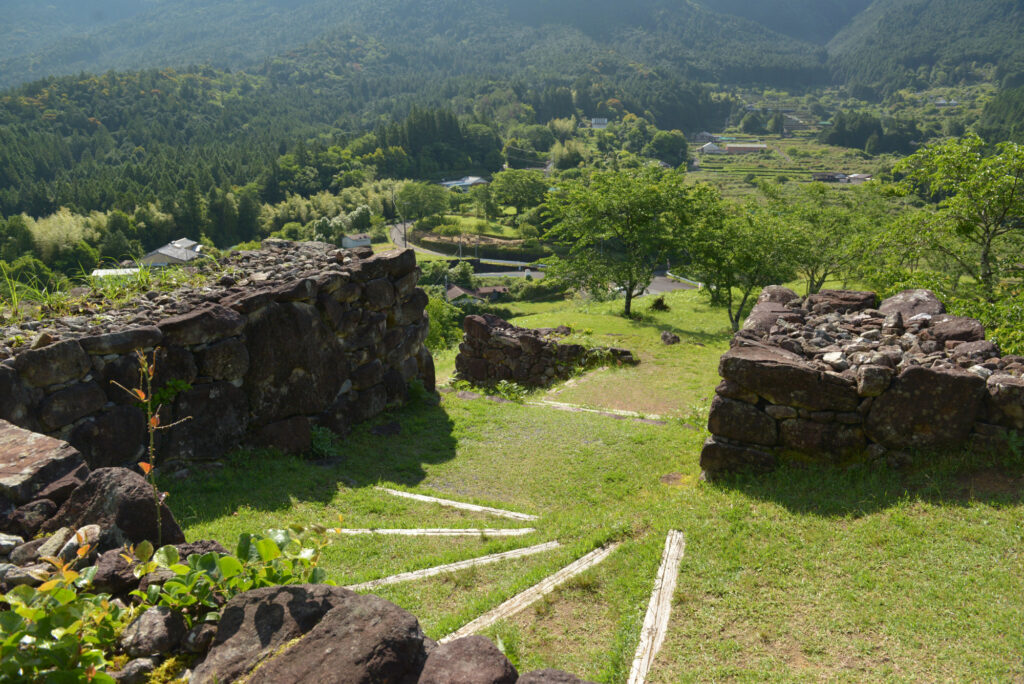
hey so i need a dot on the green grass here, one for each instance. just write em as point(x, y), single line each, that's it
point(469, 226)
point(850, 575)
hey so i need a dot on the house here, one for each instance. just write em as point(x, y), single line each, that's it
point(705, 137)
point(181, 251)
point(746, 148)
point(599, 124)
point(357, 240)
point(492, 292)
point(712, 148)
point(456, 294)
point(858, 178)
point(829, 177)
point(464, 184)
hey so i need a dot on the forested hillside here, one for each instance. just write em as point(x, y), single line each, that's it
point(896, 43)
point(490, 37)
point(813, 21)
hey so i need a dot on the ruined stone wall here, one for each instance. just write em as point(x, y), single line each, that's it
point(832, 379)
point(493, 350)
point(289, 336)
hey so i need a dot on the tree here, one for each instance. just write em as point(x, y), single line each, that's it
point(668, 146)
point(520, 188)
point(417, 200)
point(980, 200)
point(737, 250)
point(617, 226)
point(828, 225)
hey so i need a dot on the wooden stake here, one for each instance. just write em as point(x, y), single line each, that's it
point(524, 599)
point(452, 567)
point(458, 504)
point(443, 532)
point(658, 610)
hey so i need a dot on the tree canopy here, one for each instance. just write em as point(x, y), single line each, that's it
point(617, 227)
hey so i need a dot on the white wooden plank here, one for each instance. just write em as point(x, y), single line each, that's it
point(452, 567)
point(442, 532)
point(660, 607)
point(458, 504)
point(524, 599)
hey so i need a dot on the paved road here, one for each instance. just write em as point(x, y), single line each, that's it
point(661, 284)
point(537, 275)
point(397, 233)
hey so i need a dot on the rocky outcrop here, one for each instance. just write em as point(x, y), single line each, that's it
point(831, 379)
point(298, 334)
point(493, 350)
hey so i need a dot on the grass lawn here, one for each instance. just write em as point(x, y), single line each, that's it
point(856, 575)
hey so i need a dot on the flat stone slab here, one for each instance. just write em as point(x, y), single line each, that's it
point(30, 461)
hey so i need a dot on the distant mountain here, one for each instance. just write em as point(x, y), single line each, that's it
point(813, 21)
point(484, 36)
point(895, 43)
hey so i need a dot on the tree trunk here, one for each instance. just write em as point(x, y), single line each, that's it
point(629, 299)
point(987, 276)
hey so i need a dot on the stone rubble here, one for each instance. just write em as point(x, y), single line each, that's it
point(493, 350)
point(831, 378)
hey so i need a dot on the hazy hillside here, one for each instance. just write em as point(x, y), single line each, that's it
point(814, 21)
point(920, 42)
point(487, 36)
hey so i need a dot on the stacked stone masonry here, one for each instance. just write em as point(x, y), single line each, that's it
point(833, 378)
point(493, 350)
point(290, 336)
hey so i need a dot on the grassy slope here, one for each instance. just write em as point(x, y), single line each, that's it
point(799, 575)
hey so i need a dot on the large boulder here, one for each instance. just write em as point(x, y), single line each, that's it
point(158, 631)
point(346, 638)
point(124, 341)
point(366, 639)
point(839, 301)
point(113, 437)
point(926, 407)
point(121, 502)
point(29, 462)
point(954, 328)
point(470, 660)
point(787, 379)
point(764, 315)
point(70, 404)
point(777, 294)
point(909, 303)
point(17, 398)
point(215, 417)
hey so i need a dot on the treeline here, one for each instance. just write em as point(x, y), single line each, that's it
point(864, 131)
point(1003, 117)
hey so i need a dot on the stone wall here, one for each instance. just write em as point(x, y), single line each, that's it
point(832, 379)
point(493, 350)
point(280, 339)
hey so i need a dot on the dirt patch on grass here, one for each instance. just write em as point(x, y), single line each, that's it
point(989, 483)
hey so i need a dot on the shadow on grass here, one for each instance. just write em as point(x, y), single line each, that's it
point(946, 479)
point(267, 480)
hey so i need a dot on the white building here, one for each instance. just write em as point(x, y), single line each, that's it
point(181, 251)
point(712, 148)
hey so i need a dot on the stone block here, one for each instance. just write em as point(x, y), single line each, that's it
point(1005, 400)
point(909, 303)
point(53, 365)
point(124, 341)
point(742, 422)
point(831, 440)
point(227, 360)
point(927, 408)
point(786, 379)
point(719, 456)
point(68, 405)
point(29, 462)
point(202, 326)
